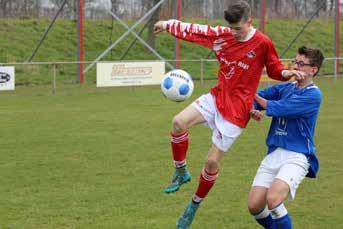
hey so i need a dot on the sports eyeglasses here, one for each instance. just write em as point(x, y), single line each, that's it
point(301, 63)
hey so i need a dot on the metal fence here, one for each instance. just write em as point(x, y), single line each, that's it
point(190, 8)
point(60, 72)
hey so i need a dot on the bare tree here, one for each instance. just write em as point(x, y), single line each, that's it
point(3, 7)
point(132, 9)
point(295, 7)
point(331, 7)
point(276, 6)
point(117, 7)
point(73, 6)
point(154, 18)
point(325, 5)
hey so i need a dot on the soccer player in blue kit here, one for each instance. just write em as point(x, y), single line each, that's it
point(291, 155)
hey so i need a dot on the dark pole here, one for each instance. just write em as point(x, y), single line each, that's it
point(135, 40)
point(46, 32)
point(302, 29)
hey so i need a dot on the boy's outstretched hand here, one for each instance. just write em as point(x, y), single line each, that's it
point(158, 27)
point(298, 75)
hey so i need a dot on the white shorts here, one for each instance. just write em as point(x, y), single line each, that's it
point(288, 166)
point(224, 133)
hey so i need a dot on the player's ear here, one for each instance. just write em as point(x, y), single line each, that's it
point(249, 20)
point(314, 71)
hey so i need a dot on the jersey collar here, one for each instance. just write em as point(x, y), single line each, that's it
point(250, 34)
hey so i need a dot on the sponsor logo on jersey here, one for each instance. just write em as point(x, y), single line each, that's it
point(281, 129)
point(229, 73)
point(222, 59)
point(251, 54)
point(243, 65)
point(280, 133)
point(230, 68)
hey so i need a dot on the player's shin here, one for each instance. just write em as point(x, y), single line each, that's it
point(206, 181)
point(280, 217)
point(264, 218)
point(179, 144)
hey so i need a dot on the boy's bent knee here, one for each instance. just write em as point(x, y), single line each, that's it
point(211, 165)
point(178, 125)
point(273, 199)
point(255, 207)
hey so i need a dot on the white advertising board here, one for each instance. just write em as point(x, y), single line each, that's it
point(7, 80)
point(129, 73)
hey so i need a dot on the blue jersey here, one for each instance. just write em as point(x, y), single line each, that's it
point(294, 111)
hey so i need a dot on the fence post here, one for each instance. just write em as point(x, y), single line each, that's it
point(337, 38)
point(202, 71)
point(54, 79)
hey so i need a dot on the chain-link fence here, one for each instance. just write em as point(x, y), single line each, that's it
point(58, 73)
point(23, 22)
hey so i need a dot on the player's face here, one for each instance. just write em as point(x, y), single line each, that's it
point(241, 29)
point(302, 63)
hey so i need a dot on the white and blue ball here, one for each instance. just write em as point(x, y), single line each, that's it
point(177, 85)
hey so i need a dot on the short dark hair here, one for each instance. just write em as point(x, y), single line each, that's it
point(237, 11)
point(314, 55)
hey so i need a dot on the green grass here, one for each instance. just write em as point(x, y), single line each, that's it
point(19, 37)
point(100, 157)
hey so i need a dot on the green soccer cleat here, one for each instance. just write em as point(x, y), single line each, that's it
point(178, 180)
point(187, 217)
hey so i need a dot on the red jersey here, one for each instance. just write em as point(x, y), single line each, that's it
point(240, 69)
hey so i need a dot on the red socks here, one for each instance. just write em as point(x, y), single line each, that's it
point(206, 181)
point(179, 144)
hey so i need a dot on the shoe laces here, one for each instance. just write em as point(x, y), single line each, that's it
point(177, 177)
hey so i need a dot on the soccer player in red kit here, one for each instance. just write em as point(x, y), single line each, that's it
point(242, 52)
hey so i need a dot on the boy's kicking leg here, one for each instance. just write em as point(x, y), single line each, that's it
point(179, 144)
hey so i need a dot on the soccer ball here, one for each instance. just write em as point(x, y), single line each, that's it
point(177, 85)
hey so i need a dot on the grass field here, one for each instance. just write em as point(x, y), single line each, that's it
point(100, 158)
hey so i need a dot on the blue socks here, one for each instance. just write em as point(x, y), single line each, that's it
point(276, 218)
point(264, 218)
point(266, 222)
point(283, 223)
point(280, 217)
